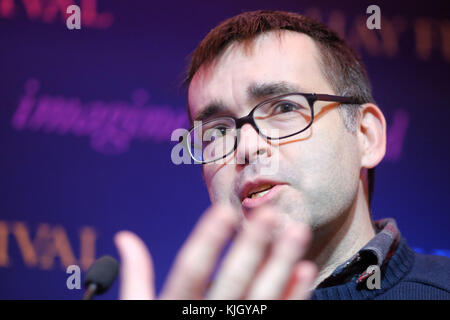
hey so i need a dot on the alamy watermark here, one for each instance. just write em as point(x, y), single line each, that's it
point(180, 154)
point(374, 21)
point(74, 280)
point(374, 280)
point(74, 20)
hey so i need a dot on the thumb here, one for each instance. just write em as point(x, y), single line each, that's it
point(136, 270)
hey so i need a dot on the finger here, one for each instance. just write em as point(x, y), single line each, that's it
point(288, 249)
point(305, 273)
point(196, 260)
point(244, 257)
point(136, 268)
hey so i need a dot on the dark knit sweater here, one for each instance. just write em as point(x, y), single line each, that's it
point(407, 275)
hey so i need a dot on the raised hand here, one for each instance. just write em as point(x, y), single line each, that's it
point(264, 260)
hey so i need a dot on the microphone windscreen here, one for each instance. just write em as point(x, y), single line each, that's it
point(103, 273)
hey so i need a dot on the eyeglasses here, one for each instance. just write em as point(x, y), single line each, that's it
point(277, 118)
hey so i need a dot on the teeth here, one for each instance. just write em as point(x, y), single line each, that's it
point(259, 194)
point(260, 191)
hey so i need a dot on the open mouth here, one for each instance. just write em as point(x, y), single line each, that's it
point(260, 191)
point(259, 194)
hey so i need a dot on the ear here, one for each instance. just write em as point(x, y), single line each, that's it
point(371, 135)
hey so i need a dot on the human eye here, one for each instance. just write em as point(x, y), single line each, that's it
point(284, 106)
point(216, 129)
point(223, 130)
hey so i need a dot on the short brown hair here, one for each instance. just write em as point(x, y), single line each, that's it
point(339, 63)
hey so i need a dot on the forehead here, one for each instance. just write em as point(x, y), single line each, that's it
point(288, 57)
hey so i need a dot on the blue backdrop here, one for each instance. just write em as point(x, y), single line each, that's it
point(86, 118)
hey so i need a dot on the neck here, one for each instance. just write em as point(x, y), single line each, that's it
point(331, 248)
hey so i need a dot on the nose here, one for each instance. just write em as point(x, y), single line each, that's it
point(251, 146)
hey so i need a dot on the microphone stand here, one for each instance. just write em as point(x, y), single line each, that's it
point(90, 291)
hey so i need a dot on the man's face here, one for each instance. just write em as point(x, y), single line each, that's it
point(318, 170)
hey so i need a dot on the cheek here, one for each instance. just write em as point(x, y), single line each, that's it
point(324, 174)
point(326, 162)
point(219, 181)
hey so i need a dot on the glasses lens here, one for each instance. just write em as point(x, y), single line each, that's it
point(283, 116)
point(212, 140)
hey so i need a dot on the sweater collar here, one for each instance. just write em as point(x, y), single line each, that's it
point(395, 268)
point(378, 251)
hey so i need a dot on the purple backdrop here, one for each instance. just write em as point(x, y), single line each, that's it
point(86, 117)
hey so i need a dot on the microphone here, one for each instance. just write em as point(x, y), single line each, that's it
point(100, 276)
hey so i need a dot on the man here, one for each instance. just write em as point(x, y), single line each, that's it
point(270, 89)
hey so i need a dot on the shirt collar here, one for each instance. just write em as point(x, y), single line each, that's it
point(377, 251)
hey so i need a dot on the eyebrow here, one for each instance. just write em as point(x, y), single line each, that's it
point(211, 109)
point(266, 89)
point(255, 91)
